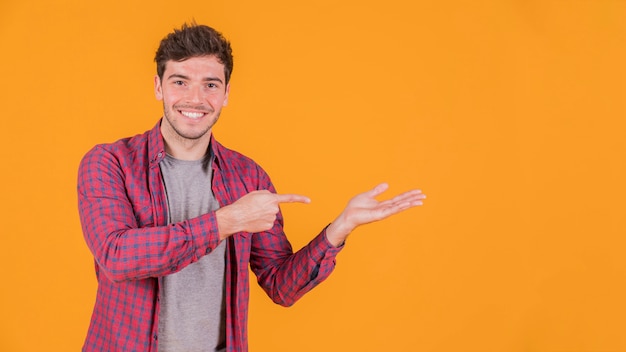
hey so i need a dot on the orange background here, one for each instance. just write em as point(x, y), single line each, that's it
point(508, 114)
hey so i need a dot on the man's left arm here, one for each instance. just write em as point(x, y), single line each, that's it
point(286, 276)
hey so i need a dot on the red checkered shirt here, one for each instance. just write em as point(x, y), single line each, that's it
point(123, 211)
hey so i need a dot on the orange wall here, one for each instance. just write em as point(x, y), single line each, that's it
point(508, 114)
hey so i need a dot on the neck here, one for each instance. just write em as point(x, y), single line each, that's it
point(186, 149)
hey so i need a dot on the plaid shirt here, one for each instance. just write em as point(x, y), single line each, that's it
point(123, 211)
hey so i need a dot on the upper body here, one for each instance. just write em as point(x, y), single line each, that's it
point(123, 210)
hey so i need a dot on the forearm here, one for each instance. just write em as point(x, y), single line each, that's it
point(287, 276)
point(137, 253)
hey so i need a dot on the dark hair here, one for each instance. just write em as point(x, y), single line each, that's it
point(193, 40)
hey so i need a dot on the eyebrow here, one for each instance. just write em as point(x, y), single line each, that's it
point(206, 79)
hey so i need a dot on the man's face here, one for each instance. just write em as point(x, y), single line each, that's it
point(193, 94)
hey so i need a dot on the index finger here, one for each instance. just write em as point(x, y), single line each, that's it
point(291, 198)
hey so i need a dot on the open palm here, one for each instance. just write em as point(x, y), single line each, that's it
point(365, 208)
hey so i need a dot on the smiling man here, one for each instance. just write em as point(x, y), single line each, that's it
point(174, 219)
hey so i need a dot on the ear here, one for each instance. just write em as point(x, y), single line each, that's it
point(226, 96)
point(158, 89)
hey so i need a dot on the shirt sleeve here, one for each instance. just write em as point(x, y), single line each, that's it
point(286, 276)
point(122, 248)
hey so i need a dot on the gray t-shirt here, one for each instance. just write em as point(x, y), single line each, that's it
point(193, 314)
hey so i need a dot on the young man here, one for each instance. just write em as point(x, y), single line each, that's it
point(173, 219)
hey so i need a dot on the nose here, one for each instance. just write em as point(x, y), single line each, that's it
point(194, 94)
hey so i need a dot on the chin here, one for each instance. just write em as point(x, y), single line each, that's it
point(194, 136)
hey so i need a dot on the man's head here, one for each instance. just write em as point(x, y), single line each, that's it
point(193, 40)
point(193, 69)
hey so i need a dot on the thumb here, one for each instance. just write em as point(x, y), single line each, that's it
point(377, 190)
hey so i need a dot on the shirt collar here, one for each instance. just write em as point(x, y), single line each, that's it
point(156, 147)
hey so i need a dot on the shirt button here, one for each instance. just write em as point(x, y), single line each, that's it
point(208, 250)
point(160, 155)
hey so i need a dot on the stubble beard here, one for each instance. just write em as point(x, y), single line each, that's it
point(187, 136)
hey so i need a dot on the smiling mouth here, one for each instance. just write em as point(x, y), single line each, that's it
point(192, 114)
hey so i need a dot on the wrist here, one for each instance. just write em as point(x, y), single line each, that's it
point(226, 224)
point(337, 232)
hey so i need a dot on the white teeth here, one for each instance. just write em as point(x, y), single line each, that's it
point(192, 115)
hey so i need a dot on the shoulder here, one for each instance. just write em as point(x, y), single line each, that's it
point(121, 152)
point(240, 166)
point(232, 158)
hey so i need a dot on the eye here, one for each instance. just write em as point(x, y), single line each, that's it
point(179, 83)
point(211, 85)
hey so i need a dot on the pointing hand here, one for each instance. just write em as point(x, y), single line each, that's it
point(254, 212)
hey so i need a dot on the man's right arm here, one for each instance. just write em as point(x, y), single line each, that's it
point(122, 249)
